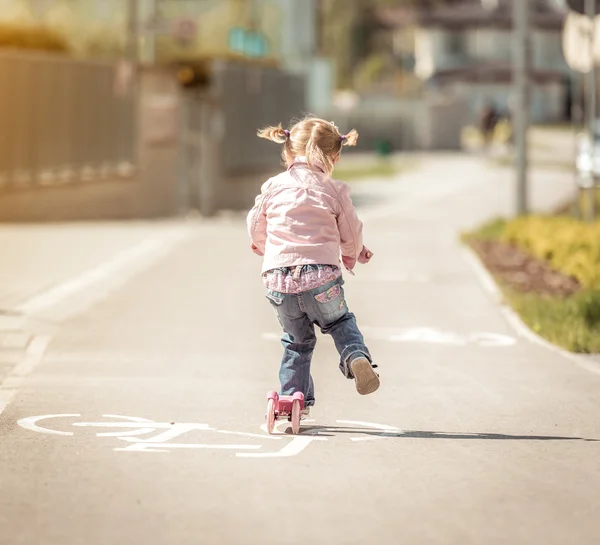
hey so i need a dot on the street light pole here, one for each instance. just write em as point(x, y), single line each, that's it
point(590, 10)
point(521, 91)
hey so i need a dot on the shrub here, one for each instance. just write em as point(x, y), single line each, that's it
point(570, 246)
point(31, 37)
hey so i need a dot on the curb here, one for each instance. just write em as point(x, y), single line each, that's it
point(514, 320)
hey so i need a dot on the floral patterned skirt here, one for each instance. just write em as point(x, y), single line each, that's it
point(300, 278)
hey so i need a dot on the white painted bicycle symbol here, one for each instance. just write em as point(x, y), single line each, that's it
point(160, 435)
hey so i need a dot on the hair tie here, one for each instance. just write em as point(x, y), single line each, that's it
point(343, 137)
point(287, 133)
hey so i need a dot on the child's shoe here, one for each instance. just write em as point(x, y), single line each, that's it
point(365, 378)
point(304, 413)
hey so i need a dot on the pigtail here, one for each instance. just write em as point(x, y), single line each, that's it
point(351, 138)
point(276, 134)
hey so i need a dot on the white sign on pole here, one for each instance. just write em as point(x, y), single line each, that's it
point(575, 42)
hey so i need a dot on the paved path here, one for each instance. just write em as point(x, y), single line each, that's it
point(477, 436)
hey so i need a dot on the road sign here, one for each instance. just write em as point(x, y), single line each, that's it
point(575, 42)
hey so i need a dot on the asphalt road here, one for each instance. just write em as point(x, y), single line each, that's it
point(134, 412)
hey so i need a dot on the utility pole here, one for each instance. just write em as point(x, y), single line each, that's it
point(520, 114)
point(590, 11)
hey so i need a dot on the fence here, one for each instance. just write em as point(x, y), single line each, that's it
point(252, 97)
point(61, 121)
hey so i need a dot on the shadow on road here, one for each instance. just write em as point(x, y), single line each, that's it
point(332, 431)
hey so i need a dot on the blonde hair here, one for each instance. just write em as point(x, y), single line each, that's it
point(318, 140)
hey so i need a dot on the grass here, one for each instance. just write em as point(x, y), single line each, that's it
point(572, 323)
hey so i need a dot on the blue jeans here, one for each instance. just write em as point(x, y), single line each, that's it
point(298, 313)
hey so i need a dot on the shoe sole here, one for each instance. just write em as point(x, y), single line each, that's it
point(365, 377)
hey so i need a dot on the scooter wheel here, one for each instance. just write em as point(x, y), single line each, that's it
point(270, 415)
point(296, 417)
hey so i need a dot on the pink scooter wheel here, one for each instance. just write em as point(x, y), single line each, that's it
point(270, 415)
point(296, 416)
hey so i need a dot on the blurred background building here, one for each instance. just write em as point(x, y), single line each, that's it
point(161, 99)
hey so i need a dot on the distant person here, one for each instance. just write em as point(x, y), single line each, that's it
point(301, 223)
point(487, 122)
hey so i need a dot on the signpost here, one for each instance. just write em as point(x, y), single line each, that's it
point(579, 47)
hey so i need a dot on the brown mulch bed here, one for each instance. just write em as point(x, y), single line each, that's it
point(523, 272)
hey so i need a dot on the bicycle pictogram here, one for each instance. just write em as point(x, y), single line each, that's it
point(145, 435)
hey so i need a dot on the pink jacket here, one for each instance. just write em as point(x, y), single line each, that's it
point(303, 216)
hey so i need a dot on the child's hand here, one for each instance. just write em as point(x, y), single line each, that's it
point(256, 250)
point(365, 256)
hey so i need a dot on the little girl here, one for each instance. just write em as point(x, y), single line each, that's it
point(301, 223)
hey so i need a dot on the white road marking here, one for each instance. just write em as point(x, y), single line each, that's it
point(162, 447)
point(13, 382)
point(77, 294)
point(160, 443)
point(384, 427)
point(119, 269)
point(426, 335)
point(295, 446)
point(30, 423)
point(244, 434)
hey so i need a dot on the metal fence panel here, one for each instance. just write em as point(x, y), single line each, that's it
point(61, 121)
point(252, 97)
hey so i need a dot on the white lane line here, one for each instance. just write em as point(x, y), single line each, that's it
point(13, 382)
point(164, 447)
point(119, 269)
point(79, 293)
point(513, 319)
point(384, 427)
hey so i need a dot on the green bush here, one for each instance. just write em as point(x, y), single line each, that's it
point(31, 37)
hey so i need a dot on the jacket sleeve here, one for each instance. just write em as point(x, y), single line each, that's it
point(350, 228)
point(257, 223)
